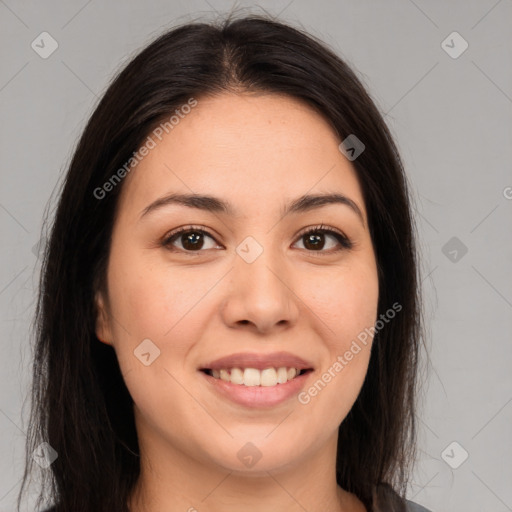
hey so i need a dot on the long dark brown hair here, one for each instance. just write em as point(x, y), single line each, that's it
point(80, 405)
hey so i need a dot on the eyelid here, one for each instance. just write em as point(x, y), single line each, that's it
point(321, 227)
point(185, 229)
point(345, 242)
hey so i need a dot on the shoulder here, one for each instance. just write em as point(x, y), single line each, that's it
point(414, 507)
point(386, 499)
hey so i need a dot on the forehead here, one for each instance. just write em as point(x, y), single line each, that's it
point(257, 147)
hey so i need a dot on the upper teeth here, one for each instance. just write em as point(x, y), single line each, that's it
point(254, 377)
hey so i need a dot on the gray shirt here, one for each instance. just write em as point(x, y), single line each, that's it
point(414, 507)
point(411, 507)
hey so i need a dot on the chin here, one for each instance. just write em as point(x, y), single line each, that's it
point(258, 455)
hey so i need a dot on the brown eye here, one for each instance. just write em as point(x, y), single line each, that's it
point(315, 239)
point(191, 239)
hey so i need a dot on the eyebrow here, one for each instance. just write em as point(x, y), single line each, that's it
point(216, 205)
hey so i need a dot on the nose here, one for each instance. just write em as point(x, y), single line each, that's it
point(260, 295)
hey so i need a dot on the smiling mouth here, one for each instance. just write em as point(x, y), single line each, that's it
point(254, 377)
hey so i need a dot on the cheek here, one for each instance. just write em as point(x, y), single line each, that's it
point(347, 306)
point(167, 306)
point(162, 305)
point(346, 301)
point(152, 301)
point(354, 321)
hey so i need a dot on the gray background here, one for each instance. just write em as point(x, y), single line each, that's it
point(452, 121)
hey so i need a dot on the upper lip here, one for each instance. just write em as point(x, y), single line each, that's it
point(259, 361)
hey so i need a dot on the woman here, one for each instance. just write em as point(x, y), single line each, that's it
point(229, 313)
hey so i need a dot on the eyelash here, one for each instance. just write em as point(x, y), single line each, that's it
point(344, 241)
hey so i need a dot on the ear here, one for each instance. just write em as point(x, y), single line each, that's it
point(103, 328)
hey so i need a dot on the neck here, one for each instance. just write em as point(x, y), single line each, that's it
point(174, 481)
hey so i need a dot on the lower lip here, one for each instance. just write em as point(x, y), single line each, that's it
point(258, 396)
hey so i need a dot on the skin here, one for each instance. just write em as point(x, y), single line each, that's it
point(259, 152)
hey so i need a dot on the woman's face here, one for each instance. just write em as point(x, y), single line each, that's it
point(253, 286)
